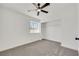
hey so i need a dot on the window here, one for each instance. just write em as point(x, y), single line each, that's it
point(35, 27)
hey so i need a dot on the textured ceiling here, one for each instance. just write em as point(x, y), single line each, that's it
point(55, 10)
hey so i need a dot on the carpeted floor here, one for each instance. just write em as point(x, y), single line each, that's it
point(40, 48)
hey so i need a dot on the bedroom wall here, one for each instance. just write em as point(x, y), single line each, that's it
point(53, 30)
point(64, 28)
point(78, 27)
point(69, 26)
point(14, 29)
point(43, 30)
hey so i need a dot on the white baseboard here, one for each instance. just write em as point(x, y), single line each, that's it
point(69, 47)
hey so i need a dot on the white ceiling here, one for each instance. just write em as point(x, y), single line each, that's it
point(55, 10)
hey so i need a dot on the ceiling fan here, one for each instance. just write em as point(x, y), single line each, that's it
point(40, 8)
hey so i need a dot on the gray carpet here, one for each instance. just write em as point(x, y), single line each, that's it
point(40, 48)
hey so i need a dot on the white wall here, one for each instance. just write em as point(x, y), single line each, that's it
point(64, 30)
point(53, 30)
point(69, 27)
point(43, 30)
point(14, 29)
point(78, 27)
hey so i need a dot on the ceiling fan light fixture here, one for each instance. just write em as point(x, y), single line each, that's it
point(39, 10)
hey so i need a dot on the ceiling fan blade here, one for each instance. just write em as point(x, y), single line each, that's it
point(35, 5)
point(38, 13)
point(38, 5)
point(45, 5)
point(44, 11)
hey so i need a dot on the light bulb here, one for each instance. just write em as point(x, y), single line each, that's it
point(39, 10)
